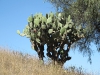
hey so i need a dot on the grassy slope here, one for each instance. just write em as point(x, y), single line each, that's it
point(15, 63)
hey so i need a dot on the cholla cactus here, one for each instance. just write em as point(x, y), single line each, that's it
point(55, 30)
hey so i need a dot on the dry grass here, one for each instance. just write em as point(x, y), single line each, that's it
point(15, 63)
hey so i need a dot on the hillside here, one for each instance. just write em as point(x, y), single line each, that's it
point(16, 63)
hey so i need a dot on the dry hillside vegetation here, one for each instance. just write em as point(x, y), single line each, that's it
point(16, 63)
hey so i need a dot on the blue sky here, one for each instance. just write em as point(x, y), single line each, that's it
point(13, 17)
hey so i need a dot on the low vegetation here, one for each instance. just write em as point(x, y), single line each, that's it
point(16, 63)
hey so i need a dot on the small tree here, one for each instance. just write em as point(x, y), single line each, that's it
point(54, 30)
